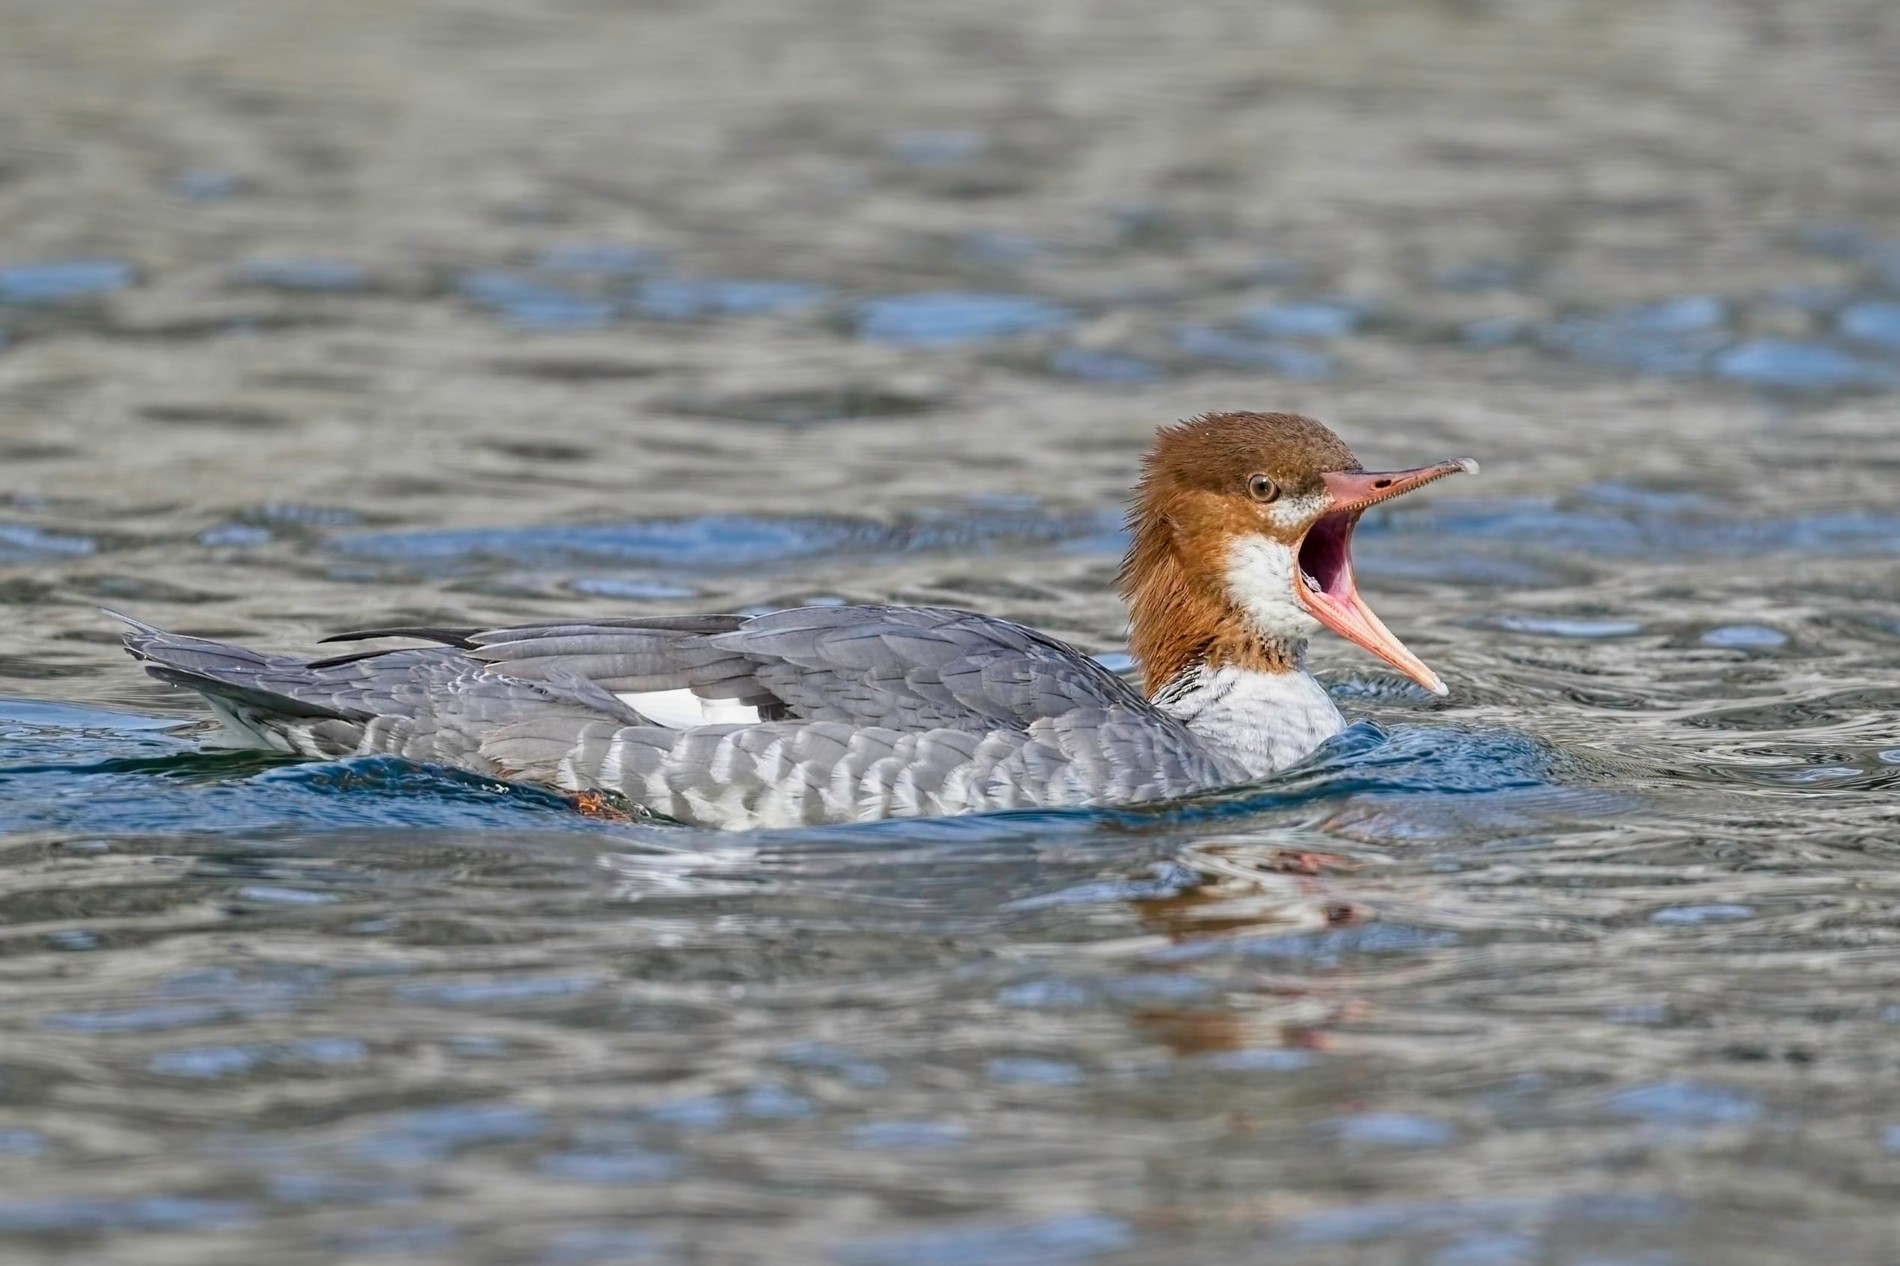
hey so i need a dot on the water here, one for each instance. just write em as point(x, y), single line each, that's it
point(313, 319)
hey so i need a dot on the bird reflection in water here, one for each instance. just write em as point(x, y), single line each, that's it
point(1248, 887)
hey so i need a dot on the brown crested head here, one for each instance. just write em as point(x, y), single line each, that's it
point(1242, 527)
point(1217, 452)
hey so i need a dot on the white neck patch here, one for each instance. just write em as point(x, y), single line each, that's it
point(1260, 581)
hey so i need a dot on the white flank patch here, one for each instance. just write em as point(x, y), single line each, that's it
point(682, 709)
point(720, 768)
point(613, 766)
point(1260, 579)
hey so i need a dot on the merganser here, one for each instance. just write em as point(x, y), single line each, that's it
point(1242, 548)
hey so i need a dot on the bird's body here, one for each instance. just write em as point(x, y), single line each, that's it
point(829, 714)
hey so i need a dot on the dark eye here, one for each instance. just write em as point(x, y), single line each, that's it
point(1261, 488)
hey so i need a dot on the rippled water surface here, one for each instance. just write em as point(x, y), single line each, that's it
point(321, 316)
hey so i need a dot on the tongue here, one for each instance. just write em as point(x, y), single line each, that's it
point(1344, 612)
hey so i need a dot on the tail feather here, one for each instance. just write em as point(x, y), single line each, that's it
point(265, 701)
point(426, 703)
point(254, 713)
point(153, 645)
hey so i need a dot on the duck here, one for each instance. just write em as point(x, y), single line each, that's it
point(1241, 530)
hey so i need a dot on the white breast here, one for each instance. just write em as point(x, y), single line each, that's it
point(1262, 721)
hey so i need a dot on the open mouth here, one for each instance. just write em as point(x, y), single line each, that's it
point(1326, 556)
point(1324, 583)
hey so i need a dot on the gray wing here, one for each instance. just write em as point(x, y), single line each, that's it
point(908, 667)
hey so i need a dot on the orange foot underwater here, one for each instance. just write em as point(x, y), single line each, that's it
point(598, 804)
